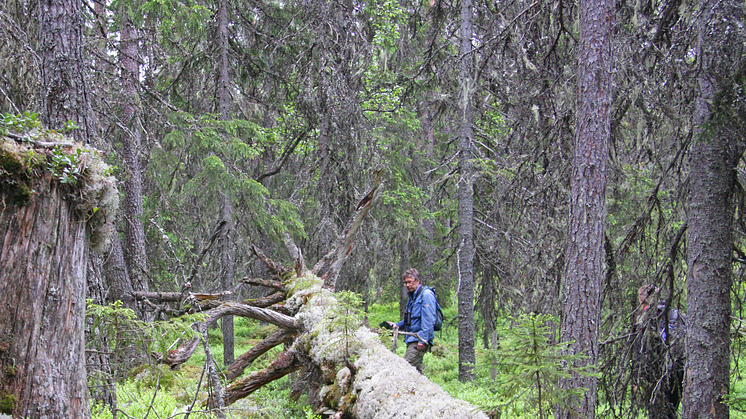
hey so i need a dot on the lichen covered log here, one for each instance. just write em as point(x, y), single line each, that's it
point(379, 385)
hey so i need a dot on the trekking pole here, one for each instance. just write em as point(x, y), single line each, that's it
point(397, 332)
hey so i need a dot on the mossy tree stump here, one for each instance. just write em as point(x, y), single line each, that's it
point(56, 203)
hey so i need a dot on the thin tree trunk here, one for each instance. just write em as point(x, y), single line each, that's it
point(134, 250)
point(227, 250)
point(466, 354)
point(584, 270)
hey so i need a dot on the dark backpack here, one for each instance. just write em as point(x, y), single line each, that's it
point(438, 312)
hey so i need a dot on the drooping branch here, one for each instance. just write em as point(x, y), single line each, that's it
point(258, 313)
point(180, 355)
point(184, 352)
point(242, 362)
point(330, 265)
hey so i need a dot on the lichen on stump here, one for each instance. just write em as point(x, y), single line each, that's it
point(57, 201)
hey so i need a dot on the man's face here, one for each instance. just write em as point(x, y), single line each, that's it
point(411, 283)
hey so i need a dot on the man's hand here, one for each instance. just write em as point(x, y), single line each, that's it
point(421, 346)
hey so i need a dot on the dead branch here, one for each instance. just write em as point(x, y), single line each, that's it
point(179, 355)
point(274, 267)
point(175, 297)
point(264, 283)
point(330, 265)
point(267, 301)
point(286, 362)
point(198, 262)
point(242, 362)
point(299, 264)
point(258, 313)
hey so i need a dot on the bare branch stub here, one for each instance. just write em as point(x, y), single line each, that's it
point(287, 362)
point(273, 266)
point(330, 265)
point(264, 283)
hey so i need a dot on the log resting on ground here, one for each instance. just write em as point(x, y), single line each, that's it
point(382, 385)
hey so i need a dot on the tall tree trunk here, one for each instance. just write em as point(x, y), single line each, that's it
point(134, 238)
point(64, 94)
point(466, 354)
point(715, 152)
point(584, 270)
point(227, 244)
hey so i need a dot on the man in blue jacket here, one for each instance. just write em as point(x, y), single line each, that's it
point(419, 318)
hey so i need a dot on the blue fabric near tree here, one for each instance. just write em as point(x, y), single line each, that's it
point(421, 307)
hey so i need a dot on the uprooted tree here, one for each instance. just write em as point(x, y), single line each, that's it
point(346, 371)
point(56, 203)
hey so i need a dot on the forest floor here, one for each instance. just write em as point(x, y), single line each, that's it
point(158, 392)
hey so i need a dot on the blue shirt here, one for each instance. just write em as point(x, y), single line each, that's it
point(421, 305)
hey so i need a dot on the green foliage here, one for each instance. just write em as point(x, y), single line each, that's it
point(19, 124)
point(120, 327)
point(345, 317)
point(65, 166)
point(531, 366)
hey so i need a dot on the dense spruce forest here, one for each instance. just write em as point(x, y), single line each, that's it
point(246, 182)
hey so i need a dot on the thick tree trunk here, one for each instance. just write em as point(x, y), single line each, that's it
point(584, 270)
point(44, 248)
point(716, 149)
point(43, 284)
point(466, 354)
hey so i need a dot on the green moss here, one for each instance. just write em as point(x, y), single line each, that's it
point(7, 402)
point(10, 160)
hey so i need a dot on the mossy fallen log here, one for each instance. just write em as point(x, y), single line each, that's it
point(355, 374)
point(363, 378)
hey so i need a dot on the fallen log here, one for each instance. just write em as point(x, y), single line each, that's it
point(347, 370)
point(359, 376)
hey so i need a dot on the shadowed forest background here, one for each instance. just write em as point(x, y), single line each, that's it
point(234, 125)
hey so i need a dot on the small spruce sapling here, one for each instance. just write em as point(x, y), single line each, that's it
point(531, 364)
point(343, 320)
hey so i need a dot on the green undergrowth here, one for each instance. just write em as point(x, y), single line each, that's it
point(527, 360)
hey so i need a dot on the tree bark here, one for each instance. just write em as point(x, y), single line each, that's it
point(44, 247)
point(584, 270)
point(242, 362)
point(466, 354)
point(61, 50)
point(134, 238)
point(715, 152)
